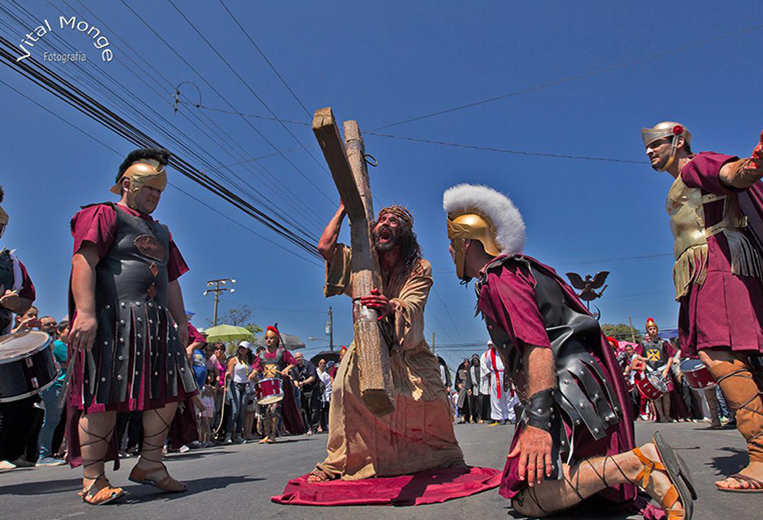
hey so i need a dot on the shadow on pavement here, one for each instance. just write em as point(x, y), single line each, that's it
point(196, 454)
point(42, 488)
point(733, 462)
point(137, 494)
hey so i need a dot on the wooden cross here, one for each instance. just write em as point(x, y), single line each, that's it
point(347, 163)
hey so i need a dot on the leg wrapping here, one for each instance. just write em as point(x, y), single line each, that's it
point(744, 397)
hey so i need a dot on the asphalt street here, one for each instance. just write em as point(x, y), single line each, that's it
point(236, 482)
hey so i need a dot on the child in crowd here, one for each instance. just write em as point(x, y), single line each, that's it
point(208, 413)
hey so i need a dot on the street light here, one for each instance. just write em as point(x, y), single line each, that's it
point(317, 339)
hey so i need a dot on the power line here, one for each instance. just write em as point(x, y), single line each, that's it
point(433, 141)
point(570, 78)
point(443, 329)
point(99, 85)
point(246, 33)
point(262, 101)
point(243, 226)
point(46, 109)
point(503, 150)
point(73, 96)
point(447, 311)
point(120, 154)
point(280, 193)
point(270, 143)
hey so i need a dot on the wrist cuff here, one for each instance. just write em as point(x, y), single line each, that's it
point(540, 409)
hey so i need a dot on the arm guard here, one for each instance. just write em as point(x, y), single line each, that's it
point(540, 409)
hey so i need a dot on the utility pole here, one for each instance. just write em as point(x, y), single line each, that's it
point(216, 287)
point(331, 330)
point(432, 342)
point(633, 334)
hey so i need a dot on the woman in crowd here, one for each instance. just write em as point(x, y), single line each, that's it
point(239, 372)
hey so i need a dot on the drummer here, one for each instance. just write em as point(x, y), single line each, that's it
point(16, 296)
point(274, 362)
point(659, 356)
point(16, 288)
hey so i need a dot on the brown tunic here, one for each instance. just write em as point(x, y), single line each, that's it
point(418, 435)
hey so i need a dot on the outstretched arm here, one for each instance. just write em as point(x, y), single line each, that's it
point(743, 173)
point(327, 243)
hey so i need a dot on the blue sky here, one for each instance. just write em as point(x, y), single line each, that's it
point(381, 63)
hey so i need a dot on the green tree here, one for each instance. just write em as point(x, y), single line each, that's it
point(621, 331)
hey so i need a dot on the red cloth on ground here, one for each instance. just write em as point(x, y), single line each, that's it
point(426, 487)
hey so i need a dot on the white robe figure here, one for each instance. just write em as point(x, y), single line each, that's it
point(501, 402)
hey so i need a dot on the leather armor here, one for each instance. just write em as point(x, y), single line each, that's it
point(137, 341)
point(585, 394)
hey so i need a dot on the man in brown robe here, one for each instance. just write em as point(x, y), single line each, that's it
point(419, 434)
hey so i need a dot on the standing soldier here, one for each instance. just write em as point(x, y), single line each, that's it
point(129, 329)
point(718, 272)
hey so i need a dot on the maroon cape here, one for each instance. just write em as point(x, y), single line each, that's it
point(292, 418)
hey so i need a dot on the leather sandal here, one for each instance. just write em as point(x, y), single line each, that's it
point(166, 484)
point(103, 496)
point(753, 485)
point(681, 489)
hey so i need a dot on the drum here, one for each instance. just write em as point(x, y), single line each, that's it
point(269, 391)
point(651, 387)
point(697, 375)
point(26, 365)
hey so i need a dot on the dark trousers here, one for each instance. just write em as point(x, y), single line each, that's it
point(32, 451)
point(58, 435)
point(475, 406)
point(485, 407)
point(325, 416)
point(18, 422)
point(132, 423)
point(311, 407)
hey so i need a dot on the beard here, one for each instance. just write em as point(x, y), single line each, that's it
point(661, 162)
point(391, 242)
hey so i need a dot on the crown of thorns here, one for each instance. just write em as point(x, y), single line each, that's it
point(400, 212)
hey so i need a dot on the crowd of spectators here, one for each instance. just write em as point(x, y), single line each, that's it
point(32, 429)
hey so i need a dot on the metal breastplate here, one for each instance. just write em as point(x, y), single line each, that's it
point(685, 206)
point(272, 366)
point(687, 217)
point(6, 284)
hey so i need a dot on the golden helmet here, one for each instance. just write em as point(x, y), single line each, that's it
point(483, 214)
